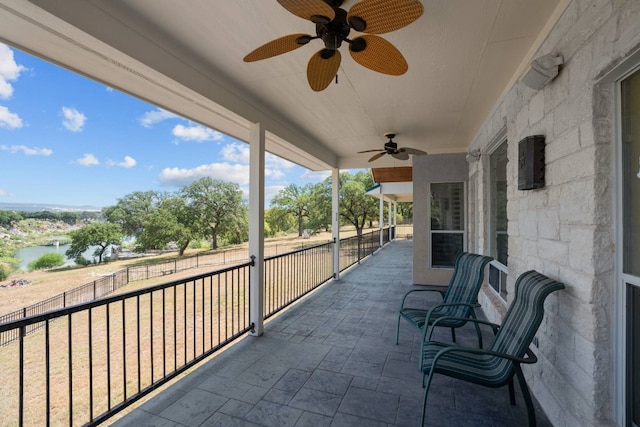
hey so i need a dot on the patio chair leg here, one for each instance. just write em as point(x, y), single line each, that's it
point(479, 334)
point(453, 334)
point(512, 393)
point(397, 329)
point(426, 392)
point(527, 396)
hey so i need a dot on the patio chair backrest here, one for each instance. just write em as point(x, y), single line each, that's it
point(465, 283)
point(525, 313)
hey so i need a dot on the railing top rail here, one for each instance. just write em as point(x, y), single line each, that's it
point(330, 242)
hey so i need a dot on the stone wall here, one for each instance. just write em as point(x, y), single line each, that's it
point(566, 230)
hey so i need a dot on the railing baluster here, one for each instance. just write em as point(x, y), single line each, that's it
point(47, 362)
point(124, 350)
point(108, 314)
point(70, 356)
point(90, 364)
point(138, 337)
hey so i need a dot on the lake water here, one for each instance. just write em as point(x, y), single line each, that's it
point(26, 255)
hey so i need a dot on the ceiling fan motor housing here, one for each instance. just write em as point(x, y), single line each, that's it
point(333, 33)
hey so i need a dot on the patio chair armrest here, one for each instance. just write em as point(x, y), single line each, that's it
point(531, 357)
point(427, 288)
point(448, 304)
point(494, 326)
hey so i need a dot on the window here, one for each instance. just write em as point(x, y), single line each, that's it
point(630, 109)
point(447, 223)
point(498, 237)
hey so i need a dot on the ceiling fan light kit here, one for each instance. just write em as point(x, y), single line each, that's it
point(333, 26)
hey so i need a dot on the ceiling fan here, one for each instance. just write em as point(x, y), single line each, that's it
point(391, 148)
point(333, 25)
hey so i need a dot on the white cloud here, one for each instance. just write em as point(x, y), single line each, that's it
point(88, 160)
point(196, 133)
point(315, 175)
point(180, 177)
point(239, 153)
point(8, 119)
point(73, 120)
point(2, 193)
point(234, 152)
point(9, 71)
point(127, 163)
point(27, 151)
point(150, 118)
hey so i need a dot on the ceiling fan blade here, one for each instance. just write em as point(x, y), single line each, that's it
point(380, 55)
point(413, 151)
point(275, 47)
point(377, 156)
point(322, 68)
point(401, 155)
point(367, 151)
point(316, 11)
point(383, 16)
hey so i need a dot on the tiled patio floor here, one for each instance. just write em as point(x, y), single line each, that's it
point(331, 361)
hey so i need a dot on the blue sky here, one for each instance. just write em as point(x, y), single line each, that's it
point(68, 140)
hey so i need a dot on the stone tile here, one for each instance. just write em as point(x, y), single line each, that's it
point(328, 381)
point(316, 401)
point(370, 404)
point(140, 418)
point(347, 420)
point(309, 419)
point(293, 380)
point(235, 408)
point(234, 389)
point(273, 415)
point(223, 420)
point(282, 397)
point(194, 407)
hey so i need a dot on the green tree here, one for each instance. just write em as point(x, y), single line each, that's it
point(279, 220)
point(9, 217)
point(100, 234)
point(295, 200)
point(405, 210)
point(215, 205)
point(356, 207)
point(132, 210)
point(49, 260)
point(320, 205)
point(170, 222)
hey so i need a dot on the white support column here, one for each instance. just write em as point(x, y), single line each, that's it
point(335, 220)
point(381, 219)
point(256, 228)
point(389, 221)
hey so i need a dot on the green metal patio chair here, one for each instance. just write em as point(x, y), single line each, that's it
point(495, 366)
point(458, 299)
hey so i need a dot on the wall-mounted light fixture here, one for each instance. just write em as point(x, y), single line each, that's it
point(473, 155)
point(542, 71)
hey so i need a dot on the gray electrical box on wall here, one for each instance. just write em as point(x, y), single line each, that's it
point(531, 163)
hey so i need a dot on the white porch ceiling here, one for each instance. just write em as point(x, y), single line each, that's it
point(186, 57)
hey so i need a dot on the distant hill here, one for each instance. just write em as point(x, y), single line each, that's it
point(36, 207)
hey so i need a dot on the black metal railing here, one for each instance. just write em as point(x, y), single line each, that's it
point(108, 284)
point(91, 360)
point(354, 249)
point(291, 276)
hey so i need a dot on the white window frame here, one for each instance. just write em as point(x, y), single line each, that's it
point(464, 223)
point(498, 140)
point(615, 77)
